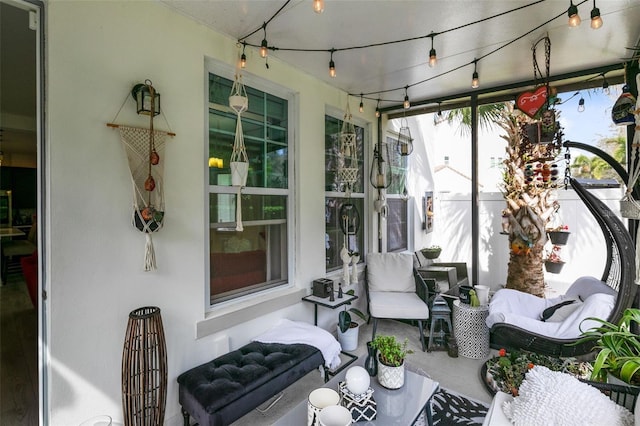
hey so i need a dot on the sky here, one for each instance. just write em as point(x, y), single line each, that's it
point(594, 123)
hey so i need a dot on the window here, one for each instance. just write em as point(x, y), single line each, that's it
point(397, 202)
point(254, 259)
point(337, 204)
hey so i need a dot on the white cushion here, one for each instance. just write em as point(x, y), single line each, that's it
point(584, 287)
point(598, 305)
point(390, 272)
point(397, 305)
point(553, 398)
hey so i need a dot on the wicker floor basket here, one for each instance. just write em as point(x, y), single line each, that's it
point(144, 369)
point(630, 209)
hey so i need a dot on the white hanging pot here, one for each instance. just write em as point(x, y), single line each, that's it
point(239, 171)
point(238, 103)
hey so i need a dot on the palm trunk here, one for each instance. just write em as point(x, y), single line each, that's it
point(526, 272)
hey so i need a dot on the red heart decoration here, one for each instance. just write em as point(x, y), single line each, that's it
point(530, 103)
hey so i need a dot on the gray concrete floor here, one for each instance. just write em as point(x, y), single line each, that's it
point(458, 374)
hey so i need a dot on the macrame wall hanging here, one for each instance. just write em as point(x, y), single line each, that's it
point(349, 215)
point(145, 154)
point(239, 102)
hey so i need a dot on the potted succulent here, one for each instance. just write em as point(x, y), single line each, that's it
point(391, 355)
point(347, 328)
point(619, 348)
point(431, 252)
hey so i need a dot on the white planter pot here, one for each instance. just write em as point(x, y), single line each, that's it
point(390, 377)
point(239, 171)
point(349, 339)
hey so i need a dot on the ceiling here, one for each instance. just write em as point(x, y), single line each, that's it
point(502, 45)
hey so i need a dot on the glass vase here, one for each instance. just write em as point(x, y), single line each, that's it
point(370, 364)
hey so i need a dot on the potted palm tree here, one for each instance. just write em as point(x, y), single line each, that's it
point(347, 328)
point(391, 355)
point(619, 349)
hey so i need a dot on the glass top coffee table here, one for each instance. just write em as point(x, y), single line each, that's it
point(395, 407)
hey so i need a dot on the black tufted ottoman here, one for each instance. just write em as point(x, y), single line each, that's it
point(223, 390)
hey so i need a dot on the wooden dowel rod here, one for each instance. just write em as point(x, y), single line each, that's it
point(116, 126)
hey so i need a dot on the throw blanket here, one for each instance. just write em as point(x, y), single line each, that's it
point(290, 332)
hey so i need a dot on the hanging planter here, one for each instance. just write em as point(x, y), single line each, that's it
point(559, 238)
point(239, 102)
point(553, 267)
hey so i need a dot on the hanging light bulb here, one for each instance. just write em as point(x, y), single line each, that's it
point(264, 45)
point(406, 102)
point(243, 57)
point(318, 6)
point(581, 105)
point(605, 85)
point(596, 20)
point(378, 109)
point(433, 58)
point(332, 65)
point(572, 12)
point(475, 80)
point(361, 107)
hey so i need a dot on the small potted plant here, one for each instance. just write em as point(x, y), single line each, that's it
point(391, 355)
point(554, 263)
point(559, 235)
point(347, 328)
point(431, 252)
point(619, 349)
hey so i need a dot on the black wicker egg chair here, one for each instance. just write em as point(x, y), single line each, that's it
point(619, 274)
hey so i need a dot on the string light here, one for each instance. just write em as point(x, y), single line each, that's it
point(572, 12)
point(581, 105)
point(332, 65)
point(433, 58)
point(605, 85)
point(406, 103)
point(596, 20)
point(378, 109)
point(318, 6)
point(264, 45)
point(475, 81)
point(243, 57)
point(361, 107)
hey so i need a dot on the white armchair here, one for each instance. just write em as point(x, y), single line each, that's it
point(395, 290)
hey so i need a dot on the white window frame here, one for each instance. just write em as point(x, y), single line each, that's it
point(213, 66)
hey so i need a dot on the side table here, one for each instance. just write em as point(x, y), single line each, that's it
point(470, 329)
point(332, 304)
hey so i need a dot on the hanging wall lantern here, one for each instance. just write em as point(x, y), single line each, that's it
point(404, 144)
point(142, 93)
point(380, 173)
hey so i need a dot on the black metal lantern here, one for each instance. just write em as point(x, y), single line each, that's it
point(349, 219)
point(380, 173)
point(143, 93)
point(404, 144)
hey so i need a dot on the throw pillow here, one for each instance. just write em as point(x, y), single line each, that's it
point(564, 311)
point(548, 313)
point(554, 398)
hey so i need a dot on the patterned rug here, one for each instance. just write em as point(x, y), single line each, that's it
point(451, 408)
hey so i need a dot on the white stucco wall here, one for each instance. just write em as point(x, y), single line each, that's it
point(96, 52)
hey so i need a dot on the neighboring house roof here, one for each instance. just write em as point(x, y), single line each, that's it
point(447, 168)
